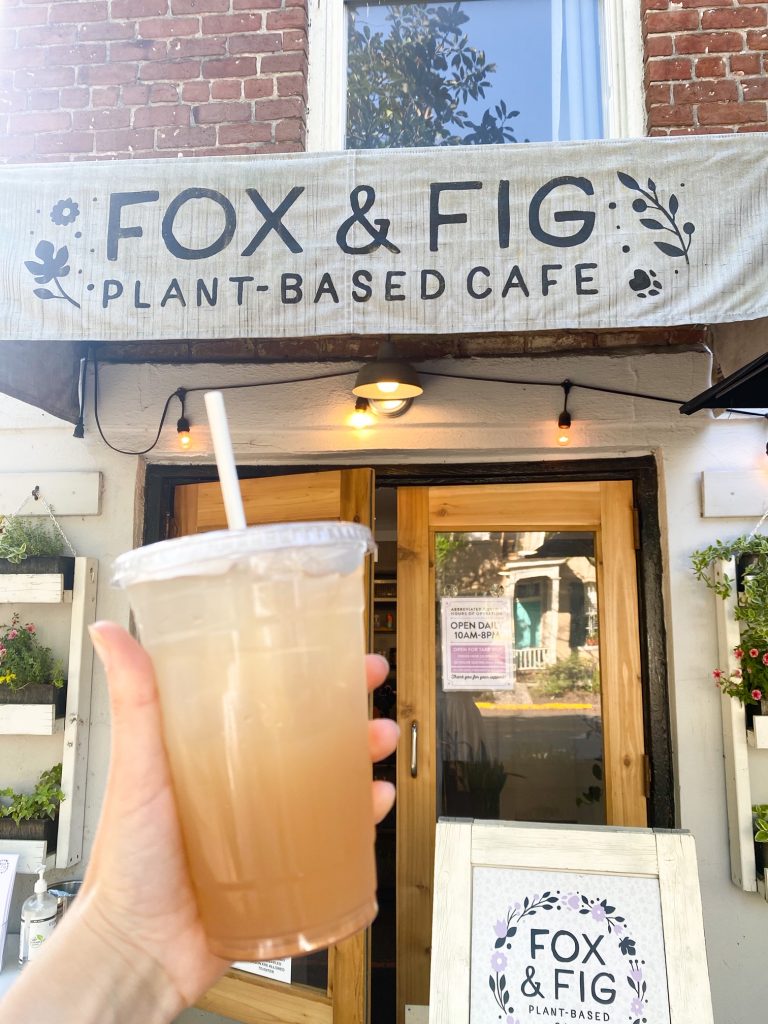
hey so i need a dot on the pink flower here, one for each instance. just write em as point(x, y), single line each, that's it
point(501, 929)
point(765, 658)
point(30, 627)
point(637, 1006)
point(498, 962)
point(736, 673)
point(757, 694)
point(753, 652)
point(717, 674)
point(12, 634)
point(598, 912)
point(739, 653)
point(636, 974)
point(571, 901)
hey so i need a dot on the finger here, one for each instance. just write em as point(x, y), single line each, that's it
point(383, 799)
point(383, 734)
point(376, 670)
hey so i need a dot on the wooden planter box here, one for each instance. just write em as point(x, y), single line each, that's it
point(35, 829)
point(36, 579)
point(33, 710)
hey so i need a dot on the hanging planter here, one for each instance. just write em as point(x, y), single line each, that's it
point(29, 672)
point(33, 547)
point(33, 816)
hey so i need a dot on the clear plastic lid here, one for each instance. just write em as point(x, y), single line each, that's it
point(311, 548)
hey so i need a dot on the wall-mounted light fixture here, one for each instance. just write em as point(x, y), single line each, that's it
point(564, 419)
point(182, 424)
point(387, 378)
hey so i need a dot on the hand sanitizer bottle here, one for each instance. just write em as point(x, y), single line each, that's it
point(38, 919)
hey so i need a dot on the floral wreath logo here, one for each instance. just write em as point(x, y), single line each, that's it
point(601, 912)
point(52, 264)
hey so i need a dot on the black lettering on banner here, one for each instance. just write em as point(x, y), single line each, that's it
point(586, 217)
point(515, 280)
point(137, 303)
point(546, 280)
point(326, 287)
point(362, 279)
point(290, 289)
point(392, 288)
point(377, 229)
point(560, 981)
point(440, 284)
point(605, 995)
point(172, 243)
point(572, 942)
point(173, 291)
point(471, 281)
point(212, 296)
point(436, 188)
point(582, 279)
point(273, 221)
point(115, 230)
point(502, 214)
point(111, 289)
point(240, 282)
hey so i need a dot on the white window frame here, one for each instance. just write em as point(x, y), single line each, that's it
point(622, 47)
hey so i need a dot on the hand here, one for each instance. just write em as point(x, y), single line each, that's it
point(137, 893)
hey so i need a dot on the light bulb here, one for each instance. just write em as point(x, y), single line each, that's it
point(386, 387)
point(182, 432)
point(563, 438)
point(362, 416)
point(563, 428)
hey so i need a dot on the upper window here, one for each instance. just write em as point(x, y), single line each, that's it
point(471, 72)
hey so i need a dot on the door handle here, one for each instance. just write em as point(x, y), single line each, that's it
point(414, 749)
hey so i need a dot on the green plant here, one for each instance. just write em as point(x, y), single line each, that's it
point(42, 802)
point(24, 660)
point(760, 822)
point(22, 538)
point(749, 682)
point(569, 674)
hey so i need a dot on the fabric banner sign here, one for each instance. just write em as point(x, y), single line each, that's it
point(643, 232)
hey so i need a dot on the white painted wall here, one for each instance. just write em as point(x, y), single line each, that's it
point(456, 421)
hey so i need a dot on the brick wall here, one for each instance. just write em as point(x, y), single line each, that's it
point(706, 66)
point(98, 79)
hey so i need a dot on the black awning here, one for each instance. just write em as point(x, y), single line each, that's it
point(44, 374)
point(746, 388)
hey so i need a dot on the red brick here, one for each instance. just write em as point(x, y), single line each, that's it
point(755, 88)
point(231, 23)
point(255, 42)
point(12, 100)
point(707, 3)
point(164, 92)
point(18, 147)
point(44, 77)
point(211, 46)
point(671, 115)
point(172, 70)
point(196, 92)
point(270, 110)
point(672, 21)
point(731, 113)
point(75, 97)
point(134, 95)
point(138, 8)
point(284, 147)
point(34, 57)
point(710, 67)
point(107, 96)
point(757, 40)
point(17, 16)
point(227, 89)
point(658, 92)
point(215, 113)
point(234, 133)
point(706, 91)
point(154, 117)
point(107, 30)
point(185, 138)
point(294, 40)
point(47, 35)
point(166, 28)
point(295, 17)
point(138, 49)
point(668, 70)
point(41, 99)
point(83, 53)
point(124, 139)
point(199, 6)
point(744, 128)
point(68, 142)
point(120, 74)
point(745, 64)
point(98, 120)
point(291, 130)
point(231, 67)
point(255, 5)
point(78, 12)
point(47, 121)
point(283, 62)
point(224, 151)
point(258, 88)
point(658, 46)
point(292, 85)
point(709, 42)
point(736, 17)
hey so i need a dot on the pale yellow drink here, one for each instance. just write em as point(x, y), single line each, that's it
point(259, 661)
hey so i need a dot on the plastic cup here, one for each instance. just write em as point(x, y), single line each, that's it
point(257, 641)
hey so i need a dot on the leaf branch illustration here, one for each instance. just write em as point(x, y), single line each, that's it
point(650, 201)
point(52, 266)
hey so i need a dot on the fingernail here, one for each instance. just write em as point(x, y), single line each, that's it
point(99, 643)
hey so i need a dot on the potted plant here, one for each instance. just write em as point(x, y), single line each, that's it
point(760, 833)
point(749, 682)
point(33, 815)
point(32, 545)
point(29, 672)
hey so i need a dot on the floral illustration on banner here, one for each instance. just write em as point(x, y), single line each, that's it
point(52, 266)
point(648, 201)
point(66, 211)
point(601, 912)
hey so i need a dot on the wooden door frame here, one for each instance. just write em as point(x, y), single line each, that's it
point(160, 481)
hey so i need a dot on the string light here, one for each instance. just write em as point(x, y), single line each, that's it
point(564, 419)
point(362, 416)
point(182, 424)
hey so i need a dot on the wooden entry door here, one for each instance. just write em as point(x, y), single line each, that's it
point(328, 987)
point(566, 743)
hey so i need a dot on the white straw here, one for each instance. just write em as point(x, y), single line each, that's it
point(225, 459)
